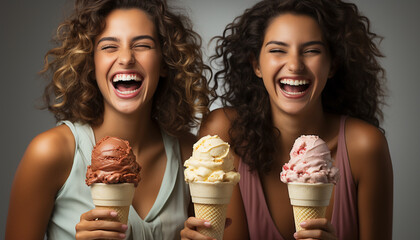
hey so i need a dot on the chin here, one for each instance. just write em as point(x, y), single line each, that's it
point(292, 108)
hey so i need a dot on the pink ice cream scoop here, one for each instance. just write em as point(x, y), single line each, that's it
point(310, 162)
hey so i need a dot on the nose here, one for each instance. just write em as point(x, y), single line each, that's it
point(126, 57)
point(295, 63)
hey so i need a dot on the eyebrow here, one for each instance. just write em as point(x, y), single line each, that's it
point(114, 39)
point(303, 45)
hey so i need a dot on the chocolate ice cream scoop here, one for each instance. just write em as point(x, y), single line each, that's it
point(113, 162)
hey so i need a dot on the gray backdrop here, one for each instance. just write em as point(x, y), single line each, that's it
point(26, 28)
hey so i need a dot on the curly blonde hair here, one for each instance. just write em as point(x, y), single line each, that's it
point(181, 98)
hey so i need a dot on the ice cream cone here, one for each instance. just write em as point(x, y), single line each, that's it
point(216, 215)
point(121, 211)
point(117, 197)
point(210, 203)
point(309, 200)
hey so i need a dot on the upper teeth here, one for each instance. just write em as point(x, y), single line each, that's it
point(127, 77)
point(294, 82)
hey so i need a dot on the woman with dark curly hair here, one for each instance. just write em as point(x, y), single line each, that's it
point(302, 67)
point(131, 69)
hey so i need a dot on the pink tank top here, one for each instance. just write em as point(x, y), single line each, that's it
point(344, 216)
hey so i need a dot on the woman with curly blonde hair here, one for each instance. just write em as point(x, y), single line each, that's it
point(302, 67)
point(131, 69)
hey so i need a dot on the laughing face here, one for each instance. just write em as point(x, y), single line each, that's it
point(294, 63)
point(127, 60)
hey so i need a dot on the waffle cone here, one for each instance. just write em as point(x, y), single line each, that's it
point(309, 200)
point(121, 211)
point(117, 197)
point(302, 213)
point(216, 215)
point(210, 203)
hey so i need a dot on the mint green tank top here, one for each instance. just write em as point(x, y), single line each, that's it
point(164, 220)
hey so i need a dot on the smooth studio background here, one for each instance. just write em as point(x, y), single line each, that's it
point(26, 28)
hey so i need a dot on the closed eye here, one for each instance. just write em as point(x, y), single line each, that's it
point(312, 51)
point(108, 47)
point(277, 51)
point(142, 46)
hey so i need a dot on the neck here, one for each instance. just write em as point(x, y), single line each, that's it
point(311, 122)
point(135, 128)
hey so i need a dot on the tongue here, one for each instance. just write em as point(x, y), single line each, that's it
point(127, 86)
point(289, 88)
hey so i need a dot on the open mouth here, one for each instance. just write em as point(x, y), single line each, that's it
point(127, 83)
point(294, 87)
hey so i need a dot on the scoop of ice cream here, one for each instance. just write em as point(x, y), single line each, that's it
point(211, 161)
point(113, 162)
point(310, 162)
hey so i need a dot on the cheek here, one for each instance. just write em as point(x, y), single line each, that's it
point(100, 64)
point(103, 65)
point(151, 63)
point(269, 86)
point(268, 68)
point(321, 69)
point(324, 72)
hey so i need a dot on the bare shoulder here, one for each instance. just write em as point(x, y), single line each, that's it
point(41, 173)
point(364, 138)
point(218, 122)
point(51, 152)
point(56, 142)
point(367, 148)
point(371, 168)
point(186, 142)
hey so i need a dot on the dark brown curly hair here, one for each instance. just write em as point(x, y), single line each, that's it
point(181, 98)
point(355, 90)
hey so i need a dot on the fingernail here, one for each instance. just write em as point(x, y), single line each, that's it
point(114, 214)
point(124, 227)
point(295, 235)
point(207, 224)
point(122, 235)
point(303, 224)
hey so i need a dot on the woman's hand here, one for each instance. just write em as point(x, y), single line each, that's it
point(190, 229)
point(319, 228)
point(92, 225)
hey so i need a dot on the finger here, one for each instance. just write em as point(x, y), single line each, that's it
point(101, 225)
point(319, 228)
point(193, 223)
point(318, 223)
point(228, 222)
point(187, 234)
point(190, 226)
point(95, 214)
point(100, 229)
point(99, 234)
point(314, 234)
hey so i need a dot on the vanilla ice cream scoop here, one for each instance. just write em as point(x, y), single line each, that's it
point(310, 162)
point(211, 161)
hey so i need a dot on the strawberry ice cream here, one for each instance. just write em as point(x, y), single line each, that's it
point(310, 178)
point(310, 162)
